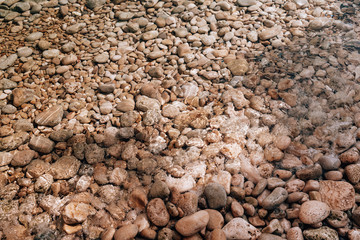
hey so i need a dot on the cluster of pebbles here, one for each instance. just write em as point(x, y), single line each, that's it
point(180, 119)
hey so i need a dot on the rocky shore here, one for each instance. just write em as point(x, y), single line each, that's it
point(179, 119)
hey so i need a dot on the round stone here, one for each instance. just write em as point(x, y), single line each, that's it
point(312, 212)
point(215, 195)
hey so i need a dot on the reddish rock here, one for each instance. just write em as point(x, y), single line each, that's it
point(338, 195)
point(157, 212)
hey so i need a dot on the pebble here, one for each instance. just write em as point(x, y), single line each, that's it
point(330, 162)
point(270, 32)
point(93, 4)
point(238, 67)
point(7, 84)
point(101, 58)
point(43, 183)
point(276, 197)
point(215, 195)
point(50, 117)
point(312, 172)
point(34, 36)
point(159, 189)
point(188, 203)
point(61, 135)
point(312, 212)
point(5, 158)
point(246, 3)
point(157, 212)
point(321, 233)
point(77, 212)
point(51, 53)
point(216, 220)
point(23, 158)
point(294, 233)
point(14, 141)
point(190, 225)
point(8, 61)
point(44, 45)
point(239, 228)
point(352, 172)
point(126, 232)
point(65, 167)
point(41, 144)
point(24, 52)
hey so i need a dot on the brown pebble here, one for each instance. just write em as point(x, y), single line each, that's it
point(148, 233)
point(157, 212)
point(294, 233)
point(216, 220)
point(217, 234)
point(312, 212)
point(333, 175)
point(127, 232)
point(192, 224)
point(352, 172)
point(236, 209)
point(311, 185)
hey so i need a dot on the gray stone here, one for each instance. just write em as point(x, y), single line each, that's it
point(8, 109)
point(21, 7)
point(68, 47)
point(94, 153)
point(215, 195)
point(276, 197)
point(11, 16)
point(44, 45)
point(159, 189)
point(7, 61)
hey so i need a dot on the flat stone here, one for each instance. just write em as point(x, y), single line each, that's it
point(149, 35)
point(41, 144)
point(92, 4)
point(320, 23)
point(246, 3)
point(50, 117)
point(65, 167)
point(101, 58)
point(61, 135)
point(239, 228)
point(126, 232)
point(75, 28)
point(338, 195)
point(69, 59)
point(8, 61)
point(13, 141)
point(21, 7)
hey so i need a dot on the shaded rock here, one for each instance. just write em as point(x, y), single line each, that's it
point(270, 32)
point(312, 172)
point(75, 28)
point(37, 167)
point(34, 36)
point(5, 158)
point(50, 117)
point(65, 167)
point(144, 103)
point(188, 203)
point(246, 3)
point(127, 232)
point(7, 84)
point(101, 58)
point(77, 212)
point(352, 172)
point(92, 4)
point(159, 189)
point(94, 153)
point(320, 23)
point(157, 212)
point(61, 135)
point(276, 197)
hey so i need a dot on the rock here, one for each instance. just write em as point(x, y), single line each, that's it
point(107, 88)
point(337, 219)
point(312, 212)
point(189, 225)
point(238, 67)
point(127, 232)
point(65, 167)
point(270, 32)
point(41, 144)
point(37, 167)
point(239, 228)
point(68, 47)
point(329, 162)
point(269, 236)
point(50, 117)
point(61, 135)
point(144, 103)
point(23, 158)
point(77, 212)
point(14, 141)
point(92, 4)
point(188, 203)
point(34, 36)
point(94, 153)
point(8, 109)
point(126, 105)
point(312, 172)
point(217, 234)
point(22, 95)
point(44, 45)
point(159, 189)
point(246, 3)
point(208, 40)
point(69, 59)
point(23, 125)
point(352, 172)
point(106, 108)
point(216, 220)
point(51, 53)
point(156, 72)
point(75, 28)
point(5, 158)
point(276, 197)
point(157, 212)
point(215, 195)
point(8, 61)
point(294, 233)
point(149, 35)
point(321, 233)
point(24, 52)
point(183, 49)
point(21, 6)
point(7, 84)
point(101, 58)
point(320, 23)
point(43, 183)
point(181, 32)
point(338, 195)
point(125, 16)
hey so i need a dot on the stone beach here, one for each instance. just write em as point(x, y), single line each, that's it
point(180, 119)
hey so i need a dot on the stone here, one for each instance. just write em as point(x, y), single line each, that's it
point(50, 117)
point(190, 225)
point(44, 45)
point(329, 162)
point(6, 62)
point(126, 232)
point(34, 36)
point(14, 141)
point(157, 212)
point(215, 195)
point(23, 158)
point(321, 233)
point(126, 105)
point(37, 167)
point(239, 228)
point(92, 4)
point(22, 95)
point(188, 203)
point(41, 144)
point(69, 59)
point(159, 189)
point(23, 125)
point(312, 212)
point(7, 84)
point(149, 35)
point(216, 220)
point(352, 172)
point(68, 47)
point(238, 67)
point(183, 49)
point(144, 103)
point(101, 58)
point(156, 72)
point(43, 183)
point(276, 197)
point(320, 23)
point(61, 135)
point(270, 32)
point(51, 53)
point(246, 3)
point(75, 28)
point(77, 212)
point(8, 109)
point(125, 16)
point(24, 52)
point(339, 195)
point(311, 172)
point(107, 88)
point(65, 167)
point(5, 158)
point(21, 6)
point(94, 153)
point(337, 219)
